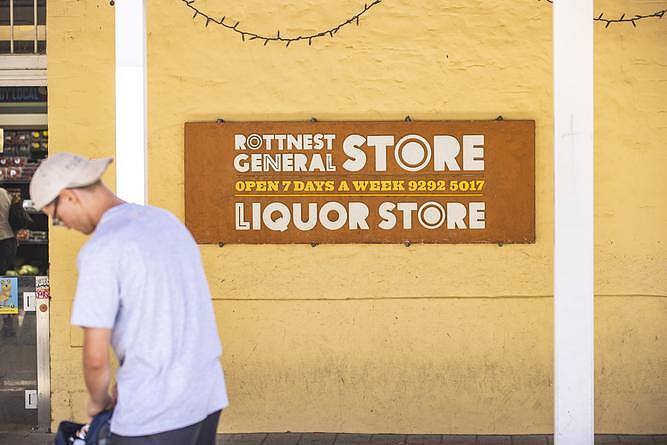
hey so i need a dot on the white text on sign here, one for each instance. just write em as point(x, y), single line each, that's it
point(412, 153)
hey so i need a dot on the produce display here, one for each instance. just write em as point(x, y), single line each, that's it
point(26, 143)
point(24, 270)
point(23, 145)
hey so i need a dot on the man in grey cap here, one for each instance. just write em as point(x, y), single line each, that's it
point(141, 290)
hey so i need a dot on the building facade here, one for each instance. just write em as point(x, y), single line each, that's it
point(434, 338)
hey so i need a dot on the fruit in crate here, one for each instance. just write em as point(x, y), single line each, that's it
point(28, 269)
point(11, 273)
point(23, 234)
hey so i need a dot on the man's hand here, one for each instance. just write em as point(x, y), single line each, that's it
point(94, 408)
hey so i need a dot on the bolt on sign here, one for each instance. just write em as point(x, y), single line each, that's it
point(360, 182)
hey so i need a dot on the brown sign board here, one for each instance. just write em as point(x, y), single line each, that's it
point(360, 182)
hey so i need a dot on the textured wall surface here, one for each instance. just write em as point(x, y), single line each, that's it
point(366, 338)
point(81, 119)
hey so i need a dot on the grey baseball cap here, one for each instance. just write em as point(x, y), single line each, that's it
point(62, 171)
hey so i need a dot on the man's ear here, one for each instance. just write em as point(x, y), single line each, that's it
point(70, 195)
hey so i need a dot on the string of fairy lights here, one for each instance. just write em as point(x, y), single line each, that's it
point(630, 19)
point(234, 25)
point(626, 18)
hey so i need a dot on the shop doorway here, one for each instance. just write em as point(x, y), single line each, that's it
point(24, 285)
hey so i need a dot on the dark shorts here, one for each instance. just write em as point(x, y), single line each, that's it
point(202, 433)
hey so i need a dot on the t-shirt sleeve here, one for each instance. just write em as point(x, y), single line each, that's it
point(97, 292)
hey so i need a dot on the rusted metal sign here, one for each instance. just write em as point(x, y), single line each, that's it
point(360, 182)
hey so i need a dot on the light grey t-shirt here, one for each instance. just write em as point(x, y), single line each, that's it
point(141, 275)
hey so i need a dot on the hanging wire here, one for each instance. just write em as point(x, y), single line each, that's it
point(624, 18)
point(630, 19)
point(224, 22)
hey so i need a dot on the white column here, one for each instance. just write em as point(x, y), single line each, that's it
point(131, 119)
point(573, 222)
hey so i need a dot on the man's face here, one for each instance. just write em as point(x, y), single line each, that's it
point(67, 210)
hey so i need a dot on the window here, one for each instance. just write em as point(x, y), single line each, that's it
point(22, 26)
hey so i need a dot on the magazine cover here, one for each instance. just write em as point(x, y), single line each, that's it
point(9, 295)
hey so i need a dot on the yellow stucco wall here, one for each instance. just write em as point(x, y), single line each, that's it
point(384, 338)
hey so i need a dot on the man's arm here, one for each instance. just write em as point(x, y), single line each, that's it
point(97, 368)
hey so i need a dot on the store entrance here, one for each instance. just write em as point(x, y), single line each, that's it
point(24, 285)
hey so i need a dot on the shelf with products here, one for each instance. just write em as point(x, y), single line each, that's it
point(32, 252)
point(27, 143)
point(22, 148)
point(21, 151)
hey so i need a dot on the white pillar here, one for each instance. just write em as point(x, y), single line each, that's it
point(573, 222)
point(131, 100)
